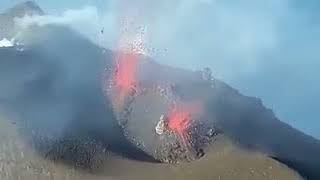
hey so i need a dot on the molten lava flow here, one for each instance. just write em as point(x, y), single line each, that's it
point(179, 121)
point(130, 49)
point(125, 76)
point(180, 118)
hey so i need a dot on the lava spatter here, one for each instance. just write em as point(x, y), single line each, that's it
point(180, 120)
point(125, 75)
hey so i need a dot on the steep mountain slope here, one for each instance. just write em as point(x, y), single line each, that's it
point(54, 89)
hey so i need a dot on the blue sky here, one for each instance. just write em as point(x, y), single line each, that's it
point(265, 49)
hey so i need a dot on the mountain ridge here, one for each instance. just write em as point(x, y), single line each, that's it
point(8, 28)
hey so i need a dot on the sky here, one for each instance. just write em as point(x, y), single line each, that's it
point(54, 6)
point(266, 49)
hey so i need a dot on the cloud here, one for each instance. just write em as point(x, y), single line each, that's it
point(86, 20)
point(68, 17)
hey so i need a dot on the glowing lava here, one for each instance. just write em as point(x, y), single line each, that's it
point(181, 116)
point(130, 50)
point(125, 76)
point(179, 121)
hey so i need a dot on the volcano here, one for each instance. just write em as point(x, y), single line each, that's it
point(60, 96)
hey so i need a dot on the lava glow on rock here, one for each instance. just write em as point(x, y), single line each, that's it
point(179, 121)
point(181, 116)
point(125, 76)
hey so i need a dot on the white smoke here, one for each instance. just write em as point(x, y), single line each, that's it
point(86, 20)
point(194, 33)
point(6, 43)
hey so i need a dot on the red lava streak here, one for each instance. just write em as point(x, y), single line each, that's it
point(179, 121)
point(180, 118)
point(125, 77)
